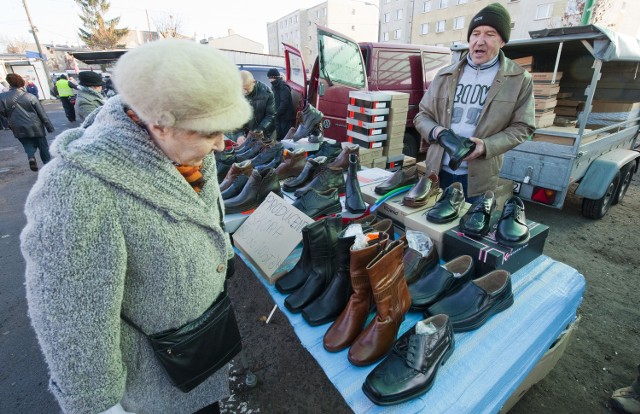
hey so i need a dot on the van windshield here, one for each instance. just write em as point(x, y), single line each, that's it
point(341, 62)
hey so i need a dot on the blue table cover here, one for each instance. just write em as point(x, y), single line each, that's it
point(487, 365)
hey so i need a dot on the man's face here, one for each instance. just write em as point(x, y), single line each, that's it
point(247, 88)
point(484, 44)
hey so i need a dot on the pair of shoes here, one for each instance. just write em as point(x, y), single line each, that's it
point(476, 301)
point(411, 368)
point(33, 164)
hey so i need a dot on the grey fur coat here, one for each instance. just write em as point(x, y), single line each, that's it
point(113, 227)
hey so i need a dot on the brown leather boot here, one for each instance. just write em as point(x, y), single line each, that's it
point(349, 324)
point(391, 295)
point(293, 164)
point(238, 168)
point(342, 160)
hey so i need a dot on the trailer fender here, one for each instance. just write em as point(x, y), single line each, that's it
point(602, 170)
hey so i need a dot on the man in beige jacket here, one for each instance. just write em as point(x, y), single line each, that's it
point(486, 98)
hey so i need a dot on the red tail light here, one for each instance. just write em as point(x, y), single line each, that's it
point(543, 195)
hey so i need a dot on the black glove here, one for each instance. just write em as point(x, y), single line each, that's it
point(231, 267)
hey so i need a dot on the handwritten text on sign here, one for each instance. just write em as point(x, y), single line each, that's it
point(271, 233)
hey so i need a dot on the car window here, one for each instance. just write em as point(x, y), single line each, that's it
point(341, 62)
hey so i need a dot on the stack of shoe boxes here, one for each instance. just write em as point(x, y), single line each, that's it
point(378, 120)
point(545, 92)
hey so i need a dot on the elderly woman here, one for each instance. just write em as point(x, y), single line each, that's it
point(27, 119)
point(89, 94)
point(127, 221)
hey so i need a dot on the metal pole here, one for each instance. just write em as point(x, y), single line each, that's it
point(34, 30)
point(586, 13)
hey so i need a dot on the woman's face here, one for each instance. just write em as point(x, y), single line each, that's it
point(186, 147)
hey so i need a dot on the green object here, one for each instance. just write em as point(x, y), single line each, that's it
point(389, 195)
point(586, 13)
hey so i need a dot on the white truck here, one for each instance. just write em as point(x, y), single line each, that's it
point(598, 71)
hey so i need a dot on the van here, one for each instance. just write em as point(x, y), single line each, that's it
point(259, 72)
point(343, 65)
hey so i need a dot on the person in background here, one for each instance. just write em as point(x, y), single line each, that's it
point(108, 90)
point(63, 89)
point(285, 112)
point(127, 220)
point(486, 98)
point(27, 119)
point(89, 94)
point(4, 124)
point(262, 101)
point(32, 88)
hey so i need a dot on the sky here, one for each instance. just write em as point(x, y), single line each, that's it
point(57, 20)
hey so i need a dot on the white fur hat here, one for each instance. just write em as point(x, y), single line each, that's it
point(182, 84)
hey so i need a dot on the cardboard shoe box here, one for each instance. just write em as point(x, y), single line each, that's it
point(488, 255)
point(418, 222)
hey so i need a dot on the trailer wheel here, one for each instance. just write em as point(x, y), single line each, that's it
point(626, 173)
point(410, 147)
point(596, 209)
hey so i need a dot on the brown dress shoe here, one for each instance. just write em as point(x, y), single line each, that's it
point(391, 295)
point(237, 169)
point(426, 187)
point(399, 179)
point(342, 160)
point(293, 164)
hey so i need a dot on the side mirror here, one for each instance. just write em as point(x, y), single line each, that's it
point(321, 89)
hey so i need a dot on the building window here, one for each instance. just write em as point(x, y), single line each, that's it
point(543, 11)
point(324, 12)
point(386, 18)
point(353, 28)
point(295, 19)
point(440, 26)
point(459, 2)
point(309, 38)
point(399, 14)
point(424, 28)
point(397, 33)
point(317, 14)
point(426, 6)
point(443, 4)
point(385, 36)
point(458, 23)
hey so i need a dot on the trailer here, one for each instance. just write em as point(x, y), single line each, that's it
point(591, 151)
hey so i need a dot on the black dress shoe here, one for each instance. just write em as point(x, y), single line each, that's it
point(411, 368)
point(235, 188)
point(441, 281)
point(399, 179)
point(326, 179)
point(311, 168)
point(258, 187)
point(415, 264)
point(448, 206)
point(475, 302)
point(456, 146)
point(426, 187)
point(475, 223)
point(331, 151)
point(512, 228)
point(316, 203)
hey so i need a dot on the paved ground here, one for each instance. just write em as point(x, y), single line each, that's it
point(601, 358)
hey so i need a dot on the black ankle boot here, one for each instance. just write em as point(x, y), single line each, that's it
point(323, 242)
point(296, 277)
point(328, 306)
point(353, 201)
point(310, 118)
point(456, 146)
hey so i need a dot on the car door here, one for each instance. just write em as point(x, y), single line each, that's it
point(295, 75)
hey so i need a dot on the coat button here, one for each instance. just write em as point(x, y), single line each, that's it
point(220, 268)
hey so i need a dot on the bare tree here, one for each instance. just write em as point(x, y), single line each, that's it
point(16, 45)
point(168, 26)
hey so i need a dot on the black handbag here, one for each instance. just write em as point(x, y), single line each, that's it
point(192, 353)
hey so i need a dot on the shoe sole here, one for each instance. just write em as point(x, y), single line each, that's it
point(512, 244)
point(328, 211)
point(413, 394)
point(478, 321)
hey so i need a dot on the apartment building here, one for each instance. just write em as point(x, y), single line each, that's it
point(356, 19)
point(395, 20)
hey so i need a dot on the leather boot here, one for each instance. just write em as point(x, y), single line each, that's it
point(349, 324)
point(267, 154)
point(274, 163)
point(327, 179)
point(456, 146)
point(391, 295)
point(256, 148)
point(317, 204)
point(224, 160)
point(310, 118)
point(238, 168)
point(342, 160)
point(236, 187)
point(296, 277)
point(323, 246)
point(251, 139)
point(260, 184)
point(331, 151)
point(292, 165)
point(328, 306)
point(310, 170)
point(353, 201)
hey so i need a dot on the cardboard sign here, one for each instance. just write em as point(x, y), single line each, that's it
point(270, 234)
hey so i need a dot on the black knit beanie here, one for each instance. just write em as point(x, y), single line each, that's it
point(494, 15)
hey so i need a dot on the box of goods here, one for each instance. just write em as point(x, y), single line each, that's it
point(545, 118)
point(352, 125)
point(398, 118)
point(395, 162)
point(372, 100)
point(393, 207)
point(368, 118)
point(604, 113)
point(380, 162)
point(408, 161)
point(525, 62)
point(545, 77)
point(418, 222)
point(545, 89)
point(488, 254)
point(565, 135)
point(369, 176)
point(392, 149)
point(376, 141)
point(367, 111)
point(367, 155)
point(545, 103)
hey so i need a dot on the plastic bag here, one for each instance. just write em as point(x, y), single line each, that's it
point(419, 241)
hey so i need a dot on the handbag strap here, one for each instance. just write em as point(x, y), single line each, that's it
point(14, 102)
